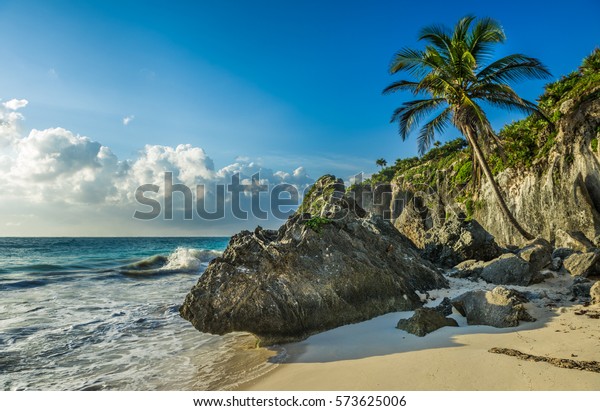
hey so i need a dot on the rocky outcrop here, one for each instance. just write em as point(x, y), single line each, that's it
point(559, 193)
point(330, 264)
point(583, 264)
point(458, 240)
point(574, 240)
point(411, 223)
point(424, 321)
point(500, 307)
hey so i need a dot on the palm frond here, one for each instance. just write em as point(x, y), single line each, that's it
point(486, 33)
point(439, 36)
point(514, 67)
point(412, 112)
point(409, 60)
point(402, 85)
point(461, 29)
point(436, 125)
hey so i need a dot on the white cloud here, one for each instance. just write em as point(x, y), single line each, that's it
point(15, 104)
point(127, 120)
point(55, 171)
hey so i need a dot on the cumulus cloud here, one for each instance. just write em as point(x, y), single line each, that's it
point(15, 104)
point(54, 169)
point(127, 120)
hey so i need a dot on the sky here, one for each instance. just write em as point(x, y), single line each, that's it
point(100, 97)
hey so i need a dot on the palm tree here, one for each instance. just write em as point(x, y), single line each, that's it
point(454, 76)
point(381, 162)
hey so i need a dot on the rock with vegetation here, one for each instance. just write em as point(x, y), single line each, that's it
point(583, 264)
point(424, 321)
point(330, 264)
point(549, 171)
point(574, 240)
point(458, 240)
point(501, 307)
point(508, 269)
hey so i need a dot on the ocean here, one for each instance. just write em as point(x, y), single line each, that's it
point(102, 314)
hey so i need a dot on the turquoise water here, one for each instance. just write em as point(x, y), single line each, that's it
point(102, 313)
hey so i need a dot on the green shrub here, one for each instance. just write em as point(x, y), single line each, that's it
point(316, 223)
point(464, 174)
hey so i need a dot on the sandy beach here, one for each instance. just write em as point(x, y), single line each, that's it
point(373, 355)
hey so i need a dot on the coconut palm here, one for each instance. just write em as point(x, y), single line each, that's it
point(454, 76)
point(381, 162)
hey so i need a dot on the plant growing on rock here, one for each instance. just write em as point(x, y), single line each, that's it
point(316, 223)
point(452, 75)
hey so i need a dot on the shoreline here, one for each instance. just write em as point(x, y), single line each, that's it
point(373, 355)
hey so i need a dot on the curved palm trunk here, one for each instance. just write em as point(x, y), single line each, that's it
point(469, 133)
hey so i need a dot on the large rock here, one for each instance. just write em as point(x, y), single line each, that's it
point(584, 264)
point(595, 293)
point(331, 264)
point(574, 240)
point(580, 289)
point(468, 269)
point(411, 223)
point(538, 253)
point(424, 321)
point(508, 269)
point(500, 307)
point(458, 240)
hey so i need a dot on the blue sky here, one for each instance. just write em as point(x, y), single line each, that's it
point(285, 84)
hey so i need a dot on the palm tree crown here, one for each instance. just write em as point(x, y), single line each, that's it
point(454, 75)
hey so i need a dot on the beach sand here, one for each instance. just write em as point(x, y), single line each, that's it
point(373, 355)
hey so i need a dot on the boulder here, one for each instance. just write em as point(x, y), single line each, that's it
point(330, 264)
point(445, 307)
point(556, 264)
point(501, 307)
point(468, 269)
point(424, 321)
point(458, 240)
point(575, 240)
point(538, 253)
point(562, 253)
point(583, 264)
point(595, 293)
point(507, 269)
point(581, 288)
